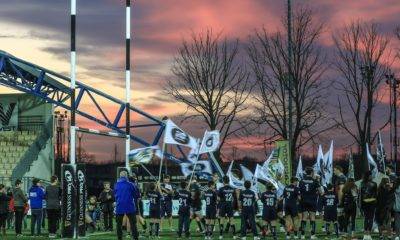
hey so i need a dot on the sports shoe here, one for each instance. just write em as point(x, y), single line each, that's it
point(256, 238)
point(220, 237)
point(303, 237)
point(313, 237)
point(282, 229)
point(397, 238)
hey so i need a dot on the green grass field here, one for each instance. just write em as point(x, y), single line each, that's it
point(167, 234)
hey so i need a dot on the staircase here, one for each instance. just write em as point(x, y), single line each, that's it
point(13, 146)
point(32, 151)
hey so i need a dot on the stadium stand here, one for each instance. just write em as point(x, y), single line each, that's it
point(13, 146)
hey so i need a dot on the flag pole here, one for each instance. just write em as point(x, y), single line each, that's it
point(195, 164)
point(161, 162)
point(127, 80)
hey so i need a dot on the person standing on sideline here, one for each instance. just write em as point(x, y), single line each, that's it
point(384, 206)
point(4, 199)
point(36, 196)
point(107, 206)
point(53, 198)
point(19, 202)
point(125, 192)
point(369, 191)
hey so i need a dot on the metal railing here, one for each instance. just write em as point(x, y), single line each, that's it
point(26, 182)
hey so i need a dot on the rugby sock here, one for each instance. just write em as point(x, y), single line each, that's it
point(303, 226)
point(327, 226)
point(228, 225)
point(211, 230)
point(336, 226)
point(273, 231)
point(233, 229)
point(199, 225)
point(282, 222)
point(261, 227)
point(221, 229)
point(144, 225)
point(312, 224)
point(151, 229)
point(157, 229)
point(203, 221)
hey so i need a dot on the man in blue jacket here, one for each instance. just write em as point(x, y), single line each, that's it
point(36, 197)
point(125, 192)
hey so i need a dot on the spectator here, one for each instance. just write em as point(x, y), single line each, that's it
point(19, 202)
point(107, 206)
point(125, 192)
point(53, 197)
point(36, 196)
point(385, 202)
point(93, 211)
point(10, 217)
point(396, 209)
point(4, 199)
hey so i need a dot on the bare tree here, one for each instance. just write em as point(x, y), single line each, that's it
point(269, 62)
point(211, 81)
point(361, 62)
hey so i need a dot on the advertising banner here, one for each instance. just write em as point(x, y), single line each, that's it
point(81, 198)
point(284, 157)
point(68, 205)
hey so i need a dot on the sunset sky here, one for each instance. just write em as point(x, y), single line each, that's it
point(38, 31)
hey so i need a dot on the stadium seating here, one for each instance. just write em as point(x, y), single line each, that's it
point(13, 146)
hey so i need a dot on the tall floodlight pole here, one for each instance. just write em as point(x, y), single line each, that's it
point(290, 77)
point(73, 79)
point(128, 81)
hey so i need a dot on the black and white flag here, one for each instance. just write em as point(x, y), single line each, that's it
point(174, 135)
point(210, 142)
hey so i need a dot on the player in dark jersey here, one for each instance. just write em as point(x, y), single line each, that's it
point(339, 180)
point(210, 197)
point(195, 208)
point(269, 214)
point(227, 199)
point(166, 204)
point(291, 196)
point(154, 196)
point(330, 203)
point(247, 202)
point(369, 192)
point(309, 191)
point(185, 200)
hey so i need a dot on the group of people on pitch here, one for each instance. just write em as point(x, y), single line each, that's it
point(295, 208)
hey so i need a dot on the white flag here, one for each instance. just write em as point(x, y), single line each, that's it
point(174, 135)
point(371, 163)
point(350, 172)
point(234, 181)
point(144, 155)
point(193, 154)
point(210, 142)
point(327, 168)
point(201, 168)
point(380, 154)
point(299, 171)
point(262, 173)
point(319, 162)
point(249, 176)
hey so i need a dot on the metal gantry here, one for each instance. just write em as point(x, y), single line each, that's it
point(54, 88)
